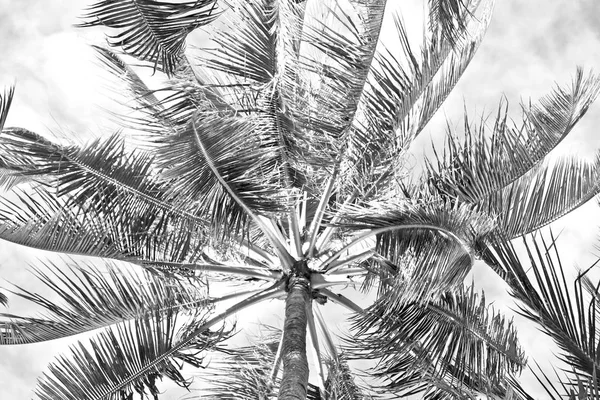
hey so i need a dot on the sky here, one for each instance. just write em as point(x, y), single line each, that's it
point(529, 46)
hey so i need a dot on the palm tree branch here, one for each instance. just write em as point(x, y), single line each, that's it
point(97, 164)
point(241, 201)
point(96, 300)
point(117, 355)
point(241, 270)
point(421, 339)
point(342, 300)
point(543, 195)
point(469, 168)
point(150, 30)
point(549, 303)
point(389, 107)
point(314, 339)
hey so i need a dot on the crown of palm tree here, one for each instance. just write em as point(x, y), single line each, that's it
point(276, 158)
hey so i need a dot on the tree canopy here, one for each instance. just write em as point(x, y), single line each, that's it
point(271, 165)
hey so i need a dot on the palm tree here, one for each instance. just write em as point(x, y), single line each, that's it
point(276, 160)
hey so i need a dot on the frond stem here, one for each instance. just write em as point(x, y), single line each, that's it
point(326, 334)
point(296, 244)
point(312, 330)
point(277, 362)
point(339, 264)
point(316, 222)
point(225, 268)
point(342, 300)
point(327, 263)
point(233, 295)
point(279, 247)
point(331, 228)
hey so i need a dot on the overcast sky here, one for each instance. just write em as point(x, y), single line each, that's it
point(530, 45)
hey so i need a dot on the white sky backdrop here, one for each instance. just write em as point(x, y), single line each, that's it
point(530, 45)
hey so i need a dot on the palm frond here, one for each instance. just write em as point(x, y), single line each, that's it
point(340, 383)
point(408, 270)
point(543, 195)
point(3, 299)
point(480, 164)
point(41, 220)
point(448, 75)
point(91, 298)
point(453, 341)
point(126, 74)
point(566, 316)
point(254, 61)
point(247, 45)
point(222, 165)
point(150, 116)
point(8, 179)
point(135, 354)
point(117, 190)
point(411, 238)
point(344, 44)
point(151, 30)
point(125, 360)
point(461, 221)
point(578, 388)
point(5, 101)
point(244, 373)
point(450, 17)
point(402, 94)
point(139, 97)
point(103, 168)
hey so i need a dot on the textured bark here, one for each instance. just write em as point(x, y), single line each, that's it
point(293, 354)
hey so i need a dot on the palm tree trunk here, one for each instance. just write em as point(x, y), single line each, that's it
point(293, 354)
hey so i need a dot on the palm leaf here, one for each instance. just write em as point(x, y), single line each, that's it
point(42, 221)
point(462, 222)
point(453, 341)
point(478, 165)
point(343, 45)
point(153, 116)
point(5, 101)
point(421, 248)
point(543, 195)
point(8, 179)
point(222, 165)
point(450, 17)
point(244, 373)
point(93, 299)
point(579, 388)
point(340, 383)
point(408, 270)
point(447, 76)
point(401, 96)
point(127, 359)
point(117, 358)
point(139, 98)
point(118, 190)
point(565, 316)
point(151, 30)
point(103, 166)
point(247, 45)
point(252, 59)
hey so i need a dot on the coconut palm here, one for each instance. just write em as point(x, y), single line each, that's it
point(271, 165)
